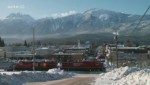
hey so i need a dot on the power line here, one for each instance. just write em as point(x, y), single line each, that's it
point(142, 17)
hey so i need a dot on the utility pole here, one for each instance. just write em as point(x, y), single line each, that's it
point(33, 49)
point(116, 41)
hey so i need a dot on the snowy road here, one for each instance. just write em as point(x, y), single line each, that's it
point(82, 79)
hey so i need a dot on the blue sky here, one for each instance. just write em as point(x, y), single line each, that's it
point(43, 8)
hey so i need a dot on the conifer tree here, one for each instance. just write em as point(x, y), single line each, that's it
point(25, 43)
point(2, 44)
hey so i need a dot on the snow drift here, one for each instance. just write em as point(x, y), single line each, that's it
point(19, 78)
point(125, 76)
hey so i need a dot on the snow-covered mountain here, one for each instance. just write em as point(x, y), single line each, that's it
point(93, 20)
point(19, 16)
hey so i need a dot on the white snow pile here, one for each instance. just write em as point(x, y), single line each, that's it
point(19, 78)
point(125, 76)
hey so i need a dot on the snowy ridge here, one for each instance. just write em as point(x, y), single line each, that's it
point(19, 16)
point(92, 20)
point(125, 76)
point(19, 78)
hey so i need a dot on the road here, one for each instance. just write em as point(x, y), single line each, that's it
point(82, 79)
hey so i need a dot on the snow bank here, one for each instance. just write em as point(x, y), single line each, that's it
point(125, 76)
point(19, 78)
point(141, 77)
point(55, 71)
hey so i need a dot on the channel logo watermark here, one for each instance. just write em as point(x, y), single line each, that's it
point(16, 6)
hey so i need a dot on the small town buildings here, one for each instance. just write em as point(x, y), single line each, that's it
point(126, 55)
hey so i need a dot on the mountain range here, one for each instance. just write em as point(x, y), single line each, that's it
point(90, 21)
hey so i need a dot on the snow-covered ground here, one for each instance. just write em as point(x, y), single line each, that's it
point(119, 76)
point(19, 78)
point(125, 76)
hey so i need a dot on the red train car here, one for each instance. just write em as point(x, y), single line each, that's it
point(40, 65)
point(70, 59)
point(83, 66)
point(45, 65)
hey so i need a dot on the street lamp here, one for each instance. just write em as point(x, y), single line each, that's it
point(116, 41)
